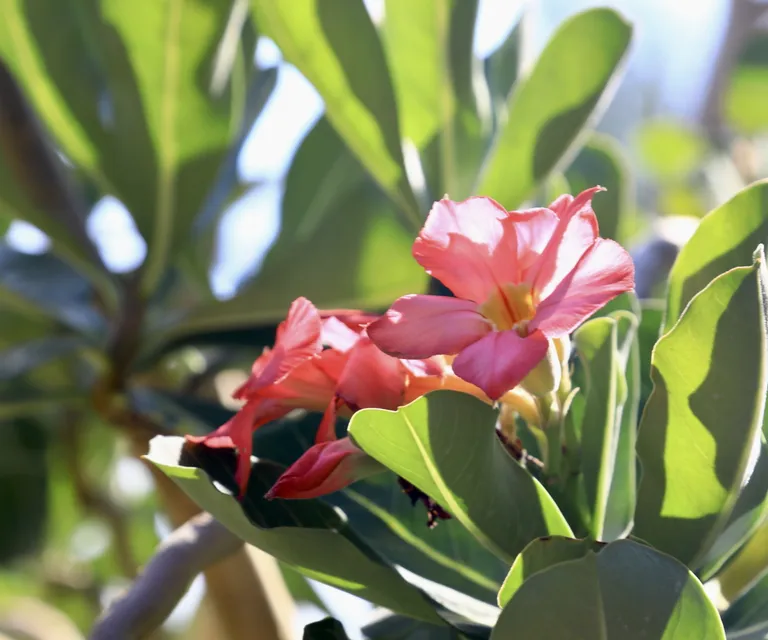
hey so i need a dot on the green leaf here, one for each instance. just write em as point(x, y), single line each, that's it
point(415, 35)
point(377, 508)
point(35, 186)
point(43, 286)
point(596, 344)
point(749, 610)
point(648, 334)
point(300, 589)
point(326, 629)
point(501, 71)
point(626, 591)
point(335, 45)
point(337, 231)
point(704, 415)
point(602, 161)
point(125, 91)
point(549, 108)
point(622, 498)
point(542, 554)
point(756, 632)
point(669, 150)
point(446, 445)
point(749, 512)
point(601, 426)
point(724, 239)
point(312, 537)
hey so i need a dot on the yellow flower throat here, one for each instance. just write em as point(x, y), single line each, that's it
point(511, 306)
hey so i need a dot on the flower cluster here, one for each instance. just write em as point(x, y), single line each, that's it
point(521, 280)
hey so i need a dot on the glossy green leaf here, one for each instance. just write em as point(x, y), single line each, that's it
point(416, 39)
point(44, 286)
point(446, 445)
point(704, 415)
point(542, 554)
point(756, 632)
point(596, 344)
point(622, 497)
point(626, 591)
point(337, 231)
point(669, 150)
point(376, 507)
point(602, 161)
point(550, 107)
point(326, 629)
point(726, 238)
point(501, 71)
point(300, 589)
point(125, 91)
point(751, 609)
point(311, 536)
point(749, 512)
point(602, 422)
point(36, 186)
point(648, 334)
point(336, 46)
point(748, 88)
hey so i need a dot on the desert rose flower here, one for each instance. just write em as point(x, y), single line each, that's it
point(521, 279)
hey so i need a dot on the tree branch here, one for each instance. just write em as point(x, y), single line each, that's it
point(194, 546)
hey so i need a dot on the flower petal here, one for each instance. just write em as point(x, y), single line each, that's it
point(457, 243)
point(371, 378)
point(604, 272)
point(338, 335)
point(237, 433)
point(575, 233)
point(418, 326)
point(532, 230)
point(298, 339)
point(323, 469)
point(499, 361)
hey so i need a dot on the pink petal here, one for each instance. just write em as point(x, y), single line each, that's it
point(326, 431)
point(323, 469)
point(337, 335)
point(604, 272)
point(237, 433)
point(575, 233)
point(500, 361)
point(417, 327)
point(533, 229)
point(457, 245)
point(371, 378)
point(298, 338)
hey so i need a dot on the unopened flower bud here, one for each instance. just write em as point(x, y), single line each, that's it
point(545, 376)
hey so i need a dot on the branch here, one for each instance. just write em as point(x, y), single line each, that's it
point(193, 547)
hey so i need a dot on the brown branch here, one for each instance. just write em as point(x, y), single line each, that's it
point(247, 601)
point(193, 547)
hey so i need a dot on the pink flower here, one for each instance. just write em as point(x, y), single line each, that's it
point(351, 374)
point(521, 278)
point(322, 469)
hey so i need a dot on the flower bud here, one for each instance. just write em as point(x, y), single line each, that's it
point(545, 376)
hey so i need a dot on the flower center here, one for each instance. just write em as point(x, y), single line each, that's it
point(511, 306)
